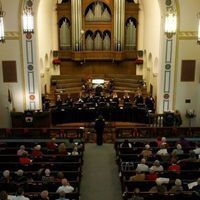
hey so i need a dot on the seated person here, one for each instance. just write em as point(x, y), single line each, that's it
point(62, 149)
point(62, 196)
point(37, 153)
point(20, 177)
point(6, 177)
point(20, 194)
point(177, 151)
point(51, 144)
point(177, 187)
point(196, 189)
point(66, 187)
point(44, 195)
point(47, 176)
point(136, 195)
point(139, 176)
point(184, 143)
point(75, 151)
point(162, 151)
point(159, 188)
point(24, 159)
point(142, 167)
point(146, 153)
point(174, 167)
point(21, 150)
point(157, 167)
point(152, 175)
point(197, 149)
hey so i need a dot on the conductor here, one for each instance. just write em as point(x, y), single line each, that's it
point(99, 127)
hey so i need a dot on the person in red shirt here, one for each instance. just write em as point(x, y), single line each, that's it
point(51, 144)
point(24, 159)
point(37, 153)
point(152, 176)
point(174, 167)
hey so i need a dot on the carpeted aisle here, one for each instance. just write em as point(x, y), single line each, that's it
point(100, 179)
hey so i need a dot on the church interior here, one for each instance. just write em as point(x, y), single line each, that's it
point(134, 64)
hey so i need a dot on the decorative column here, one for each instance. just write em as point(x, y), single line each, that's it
point(31, 72)
point(168, 62)
point(119, 22)
point(77, 32)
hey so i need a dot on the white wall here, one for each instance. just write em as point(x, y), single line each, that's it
point(11, 50)
point(188, 50)
point(47, 38)
point(149, 40)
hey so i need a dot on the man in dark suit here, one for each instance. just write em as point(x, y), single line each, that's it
point(99, 127)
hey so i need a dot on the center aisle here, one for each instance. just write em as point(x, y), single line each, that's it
point(100, 179)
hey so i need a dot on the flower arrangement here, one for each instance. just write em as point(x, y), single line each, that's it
point(190, 114)
point(56, 61)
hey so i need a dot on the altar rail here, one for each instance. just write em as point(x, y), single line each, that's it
point(152, 132)
point(28, 133)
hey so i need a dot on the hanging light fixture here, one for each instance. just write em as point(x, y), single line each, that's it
point(28, 20)
point(170, 22)
point(198, 37)
point(2, 32)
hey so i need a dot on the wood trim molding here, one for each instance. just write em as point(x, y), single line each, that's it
point(187, 35)
point(12, 35)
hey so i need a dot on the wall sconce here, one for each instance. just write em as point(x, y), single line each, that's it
point(170, 22)
point(2, 32)
point(198, 37)
point(28, 20)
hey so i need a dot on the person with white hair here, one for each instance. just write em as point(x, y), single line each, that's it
point(44, 195)
point(177, 187)
point(19, 176)
point(20, 195)
point(178, 150)
point(21, 150)
point(47, 176)
point(37, 153)
point(142, 166)
point(162, 151)
point(157, 167)
point(146, 153)
point(66, 187)
point(159, 188)
point(6, 177)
